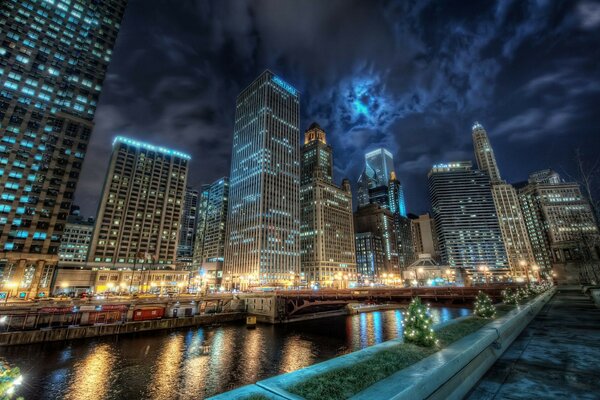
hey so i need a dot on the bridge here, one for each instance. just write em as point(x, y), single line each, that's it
point(285, 306)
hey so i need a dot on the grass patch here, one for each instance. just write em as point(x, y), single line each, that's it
point(256, 397)
point(345, 382)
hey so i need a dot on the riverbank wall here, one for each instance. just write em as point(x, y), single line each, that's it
point(82, 332)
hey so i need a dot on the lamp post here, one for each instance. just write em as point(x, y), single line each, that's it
point(523, 265)
point(484, 269)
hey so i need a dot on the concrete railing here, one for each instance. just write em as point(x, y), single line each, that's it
point(448, 374)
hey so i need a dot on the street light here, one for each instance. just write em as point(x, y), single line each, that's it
point(523, 265)
point(485, 269)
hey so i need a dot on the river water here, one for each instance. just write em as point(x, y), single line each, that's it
point(195, 363)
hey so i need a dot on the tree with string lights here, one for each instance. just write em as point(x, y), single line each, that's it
point(484, 307)
point(418, 324)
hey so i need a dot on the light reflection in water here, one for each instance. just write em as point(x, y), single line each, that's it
point(92, 376)
point(177, 364)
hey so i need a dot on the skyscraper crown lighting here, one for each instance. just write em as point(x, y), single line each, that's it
point(147, 146)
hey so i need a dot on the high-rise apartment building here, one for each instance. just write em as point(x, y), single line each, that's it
point(141, 206)
point(75, 241)
point(263, 230)
point(510, 217)
point(560, 221)
point(326, 229)
point(465, 217)
point(53, 60)
point(380, 223)
point(212, 222)
point(187, 232)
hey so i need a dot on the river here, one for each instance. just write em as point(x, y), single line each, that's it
point(194, 363)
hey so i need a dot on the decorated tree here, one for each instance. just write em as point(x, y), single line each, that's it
point(418, 324)
point(510, 297)
point(484, 307)
point(9, 379)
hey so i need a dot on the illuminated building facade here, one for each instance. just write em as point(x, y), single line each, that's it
point(465, 217)
point(187, 232)
point(209, 249)
point(326, 229)
point(263, 229)
point(510, 217)
point(379, 164)
point(140, 208)
point(75, 240)
point(379, 222)
point(560, 221)
point(370, 256)
point(53, 60)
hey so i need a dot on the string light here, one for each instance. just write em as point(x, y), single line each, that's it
point(484, 307)
point(418, 324)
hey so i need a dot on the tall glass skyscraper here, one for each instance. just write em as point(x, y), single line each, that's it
point(465, 217)
point(212, 217)
point(379, 164)
point(263, 239)
point(53, 59)
point(187, 232)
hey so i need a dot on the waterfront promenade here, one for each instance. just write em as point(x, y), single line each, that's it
point(555, 357)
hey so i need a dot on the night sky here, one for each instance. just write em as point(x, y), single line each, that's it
point(408, 75)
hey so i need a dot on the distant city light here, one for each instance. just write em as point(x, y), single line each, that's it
point(132, 142)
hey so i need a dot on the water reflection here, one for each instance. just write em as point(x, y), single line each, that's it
point(195, 363)
point(92, 375)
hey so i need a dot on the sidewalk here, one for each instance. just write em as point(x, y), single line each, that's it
point(556, 357)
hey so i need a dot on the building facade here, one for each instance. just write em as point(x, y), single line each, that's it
point(75, 241)
point(465, 217)
point(263, 230)
point(424, 237)
point(187, 232)
point(140, 208)
point(379, 164)
point(209, 251)
point(380, 223)
point(560, 222)
point(370, 257)
point(510, 217)
point(53, 60)
point(326, 228)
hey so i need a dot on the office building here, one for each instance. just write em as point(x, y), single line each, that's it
point(510, 217)
point(75, 241)
point(263, 230)
point(187, 232)
point(53, 60)
point(326, 229)
point(560, 222)
point(140, 208)
point(465, 217)
point(370, 257)
point(380, 224)
point(209, 249)
point(379, 164)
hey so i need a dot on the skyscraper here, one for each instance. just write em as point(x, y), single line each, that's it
point(187, 232)
point(465, 217)
point(326, 229)
point(424, 237)
point(484, 154)
point(141, 205)
point(379, 164)
point(561, 224)
point(75, 241)
point(263, 230)
point(53, 59)
point(212, 222)
point(510, 217)
point(380, 224)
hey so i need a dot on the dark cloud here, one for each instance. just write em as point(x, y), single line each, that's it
point(408, 75)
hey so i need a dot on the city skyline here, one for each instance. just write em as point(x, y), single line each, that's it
point(191, 108)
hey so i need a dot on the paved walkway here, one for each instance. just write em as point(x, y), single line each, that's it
point(556, 357)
